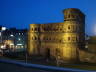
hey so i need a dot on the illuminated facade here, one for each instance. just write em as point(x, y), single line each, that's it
point(61, 40)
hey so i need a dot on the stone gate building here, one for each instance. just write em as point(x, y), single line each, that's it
point(59, 39)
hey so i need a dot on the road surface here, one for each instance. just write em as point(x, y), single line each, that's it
point(5, 67)
point(15, 66)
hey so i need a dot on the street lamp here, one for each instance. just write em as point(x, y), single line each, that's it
point(3, 28)
point(19, 39)
point(11, 35)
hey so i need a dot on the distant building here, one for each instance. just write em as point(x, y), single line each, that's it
point(92, 44)
point(89, 53)
point(16, 39)
point(21, 39)
point(2, 28)
point(61, 40)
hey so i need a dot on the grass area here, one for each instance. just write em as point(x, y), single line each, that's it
point(42, 60)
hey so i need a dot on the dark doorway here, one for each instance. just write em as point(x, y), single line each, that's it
point(48, 53)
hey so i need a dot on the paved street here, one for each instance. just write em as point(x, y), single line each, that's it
point(15, 68)
point(7, 65)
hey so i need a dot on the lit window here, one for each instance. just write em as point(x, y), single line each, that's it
point(86, 46)
point(19, 44)
point(19, 33)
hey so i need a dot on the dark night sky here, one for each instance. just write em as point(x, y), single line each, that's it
point(21, 13)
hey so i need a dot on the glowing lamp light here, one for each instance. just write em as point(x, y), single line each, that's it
point(19, 44)
point(0, 33)
point(11, 44)
point(2, 47)
point(19, 39)
point(3, 28)
point(86, 46)
point(19, 33)
point(11, 35)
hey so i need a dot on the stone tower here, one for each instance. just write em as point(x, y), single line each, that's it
point(74, 36)
point(59, 40)
point(33, 39)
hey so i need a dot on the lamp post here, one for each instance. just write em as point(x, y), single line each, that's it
point(1, 41)
point(26, 55)
point(57, 56)
point(26, 46)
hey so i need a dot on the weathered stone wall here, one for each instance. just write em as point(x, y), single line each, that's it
point(59, 39)
point(86, 56)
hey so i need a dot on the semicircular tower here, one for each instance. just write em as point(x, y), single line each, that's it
point(74, 36)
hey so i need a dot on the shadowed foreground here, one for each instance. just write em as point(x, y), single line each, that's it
point(10, 66)
point(5, 67)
